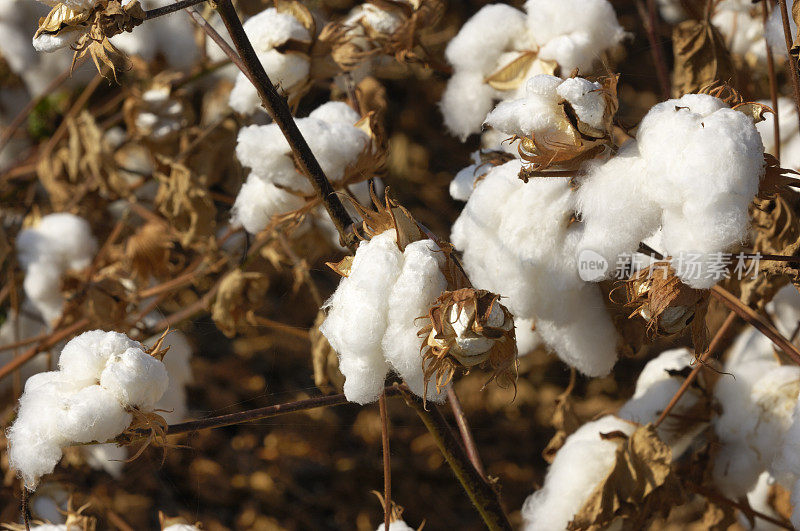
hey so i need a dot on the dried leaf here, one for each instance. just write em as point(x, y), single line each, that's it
point(640, 487)
point(700, 57)
point(754, 110)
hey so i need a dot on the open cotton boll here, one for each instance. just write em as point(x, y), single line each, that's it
point(785, 310)
point(258, 201)
point(573, 33)
point(790, 138)
point(63, 238)
point(759, 500)
point(170, 37)
point(536, 113)
point(480, 41)
point(268, 30)
point(42, 286)
point(654, 389)
point(466, 102)
point(135, 378)
point(743, 33)
point(107, 457)
point(84, 358)
point(579, 466)
point(774, 30)
point(414, 291)
point(357, 316)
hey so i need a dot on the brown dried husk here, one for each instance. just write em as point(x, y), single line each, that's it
point(701, 57)
point(640, 487)
point(239, 293)
point(185, 202)
point(327, 376)
point(656, 290)
point(441, 355)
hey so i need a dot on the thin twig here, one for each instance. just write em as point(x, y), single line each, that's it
point(171, 8)
point(773, 82)
point(648, 16)
point(209, 30)
point(483, 496)
point(700, 363)
point(718, 498)
point(466, 434)
point(279, 110)
point(387, 462)
point(791, 62)
point(758, 321)
point(43, 345)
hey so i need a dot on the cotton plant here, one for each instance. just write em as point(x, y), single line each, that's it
point(272, 34)
point(104, 382)
point(501, 47)
point(419, 317)
point(789, 141)
point(648, 189)
point(275, 186)
point(57, 243)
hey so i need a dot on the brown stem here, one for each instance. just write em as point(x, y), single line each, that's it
point(758, 321)
point(773, 82)
point(170, 8)
point(718, 498)
point(466, 434)
point(700, 363)
point(387, 463)
point(791, 62)
point(481, 494)
point(648, 16)
point(279, 110)
point(43, 345)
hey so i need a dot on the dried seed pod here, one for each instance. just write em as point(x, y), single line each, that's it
point(468, 327)
point(238, 294)
point(668, 305)
point(159, 113)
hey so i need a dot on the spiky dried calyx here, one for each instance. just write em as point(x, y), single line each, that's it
point(578, 140)
point(88, 31)
point(668, 305)
point(468, 327)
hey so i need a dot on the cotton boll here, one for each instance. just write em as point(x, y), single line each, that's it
point(135, 378)
point(785, 310)
point(790, 139)
point(579, 466)
point(484, 37)
point(466, 102)
point(528, 339)
point(258, 201)
point(42, 286)
point(743, 33)
point(62, 237)
point(335, 112)
point(84, 358)
point(655, 387)
point(758, 498)
point(574, 33)
point(48, 42)
point(586, 98)
point(736, 469)
point(92, 414)
point(417, 286)
point(357, 316)
point(537, 113)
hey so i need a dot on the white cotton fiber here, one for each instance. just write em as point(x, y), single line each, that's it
point(416, 289)
point(85, 357)
point(790, 138)
point(579, 466)
point(784, 308)
point(68, 406)
point(482, 39)
point(530, 260)
point(266, 31)
point(275, 186)
point(135, 378)
point(397, 525)
point(743, 33)
point(92, 414)
point(181, 527)
point(357, 316)
point(573, 33)
point(466, 102)
point(59, 242)
point(258, 201)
